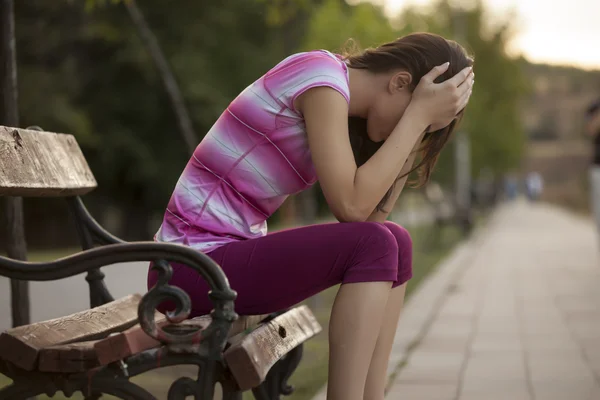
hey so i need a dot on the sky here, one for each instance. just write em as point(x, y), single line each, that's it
point(555, 32)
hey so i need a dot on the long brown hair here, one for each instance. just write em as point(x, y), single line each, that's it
point(417, 54)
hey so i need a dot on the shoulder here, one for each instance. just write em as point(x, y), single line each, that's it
point(320, 60)
point(302, 71)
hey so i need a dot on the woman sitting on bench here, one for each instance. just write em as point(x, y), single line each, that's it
point(356, 124)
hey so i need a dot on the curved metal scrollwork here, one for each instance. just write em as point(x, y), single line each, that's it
point(186, 338)
point(178, 339)
point(182, 388)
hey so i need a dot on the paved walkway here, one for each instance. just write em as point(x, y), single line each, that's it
point(512, 315)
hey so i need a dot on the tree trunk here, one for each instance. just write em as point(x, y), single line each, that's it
point(168, 79)
point(9, 115)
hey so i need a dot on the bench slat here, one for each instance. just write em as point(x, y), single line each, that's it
point(127, 343)
point(21, 345)
point(134, 340)
point(79, 357)
point(36, 164)
point(74, 357)
point(252, 357)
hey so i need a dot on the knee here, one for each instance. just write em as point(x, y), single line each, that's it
point(378, 240)
point(402, 237)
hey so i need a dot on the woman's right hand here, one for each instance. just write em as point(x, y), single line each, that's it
point(439, 103)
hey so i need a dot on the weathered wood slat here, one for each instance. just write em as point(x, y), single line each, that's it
point(124, 344)
point(252, 357)
point(81, 356)
point(21, 346)
point(134, 340)
point(36, 164)
point(74, 357)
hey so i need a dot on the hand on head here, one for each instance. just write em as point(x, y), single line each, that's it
point(440, 103)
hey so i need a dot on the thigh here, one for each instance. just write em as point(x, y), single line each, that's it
point(286, 267)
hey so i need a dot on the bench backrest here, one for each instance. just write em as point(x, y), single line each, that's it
point(39, 164)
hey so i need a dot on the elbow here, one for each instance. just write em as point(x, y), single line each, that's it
point(351, 213)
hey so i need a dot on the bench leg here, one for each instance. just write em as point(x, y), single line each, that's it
point(230, 392)
point(202, 388)
point(290, 363)
point(17, 392)
point(124, 390)
point(276, 382)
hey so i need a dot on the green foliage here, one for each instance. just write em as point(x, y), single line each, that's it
point(334, 22)
point(280, 12)
point(84, 70)
point(492, 120)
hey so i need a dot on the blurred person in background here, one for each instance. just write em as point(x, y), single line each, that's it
point(511, 186)
point(534, 184)
point(592, 128)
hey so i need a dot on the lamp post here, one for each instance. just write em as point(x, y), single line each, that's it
point(462, 148)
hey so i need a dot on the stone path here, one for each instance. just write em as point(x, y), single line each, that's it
point(513, 315)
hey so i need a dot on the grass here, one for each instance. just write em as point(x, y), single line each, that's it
point(430, 245)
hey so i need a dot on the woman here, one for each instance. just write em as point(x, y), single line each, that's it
point(291, 128)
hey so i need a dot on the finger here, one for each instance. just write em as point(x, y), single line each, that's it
point(436, 71)
point(464, 100)
point(460, 77)
point(468, 81)
point(466, 85)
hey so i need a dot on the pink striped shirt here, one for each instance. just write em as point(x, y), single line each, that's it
point(254, 156)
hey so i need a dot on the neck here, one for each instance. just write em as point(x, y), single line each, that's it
point(363, 88)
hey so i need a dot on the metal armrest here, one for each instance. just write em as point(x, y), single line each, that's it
point(183, 339)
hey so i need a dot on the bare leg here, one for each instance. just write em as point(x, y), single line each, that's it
point(377, 376)
point(356, 316)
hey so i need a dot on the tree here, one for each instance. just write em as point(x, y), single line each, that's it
point(167, 77)
point(334, 22)
point(87, 72)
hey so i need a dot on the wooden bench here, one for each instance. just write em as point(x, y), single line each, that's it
point(96, 351)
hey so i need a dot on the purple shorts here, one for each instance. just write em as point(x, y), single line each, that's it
point(286, 267)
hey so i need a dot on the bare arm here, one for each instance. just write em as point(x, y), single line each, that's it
point(381, 216)
point(352, 193)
